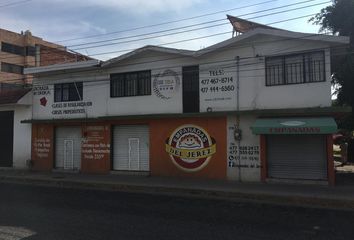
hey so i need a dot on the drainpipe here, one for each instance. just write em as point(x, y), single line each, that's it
point(238, 114)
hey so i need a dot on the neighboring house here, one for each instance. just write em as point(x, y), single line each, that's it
point(255, 107)
point(15, 137)
point(18, 51)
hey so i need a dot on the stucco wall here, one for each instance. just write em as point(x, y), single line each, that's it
point(218, 77)
point(243, 157)
point(160, 161)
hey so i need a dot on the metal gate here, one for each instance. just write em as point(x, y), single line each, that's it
point(297, 157)
point(131, 148)
point(6, 138)
point(68, 148)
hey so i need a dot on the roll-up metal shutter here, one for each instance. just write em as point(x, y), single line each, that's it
point(297, 157)
point(131, 148)
point(68, 148)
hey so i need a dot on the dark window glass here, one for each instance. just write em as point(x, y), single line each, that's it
point(190, 82)
point(131, 84)
point(11, 48)
point(68, 92)
point(295, 69)
point(65, 92)
point(57, 93)
point(31, 51)
point(11, 68)
point(294, 66)
point(145, 83)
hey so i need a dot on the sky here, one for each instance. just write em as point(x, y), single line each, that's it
point(104, 29)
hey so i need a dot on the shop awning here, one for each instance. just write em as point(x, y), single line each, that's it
point(323, 125)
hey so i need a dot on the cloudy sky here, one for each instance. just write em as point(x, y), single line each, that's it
point(108, 28)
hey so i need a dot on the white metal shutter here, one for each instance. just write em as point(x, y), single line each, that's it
point(68, 148)
point(297, 157)
point(131, 148)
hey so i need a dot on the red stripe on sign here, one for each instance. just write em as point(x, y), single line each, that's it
point(188, 165)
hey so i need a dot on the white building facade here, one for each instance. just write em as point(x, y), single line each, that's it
point(15, 137)
point(256, 107)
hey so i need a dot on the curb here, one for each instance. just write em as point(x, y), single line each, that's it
point(266, 198)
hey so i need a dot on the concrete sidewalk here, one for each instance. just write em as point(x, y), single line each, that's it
point(279, 193)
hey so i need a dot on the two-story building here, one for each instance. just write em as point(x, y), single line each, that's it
point(255, 107)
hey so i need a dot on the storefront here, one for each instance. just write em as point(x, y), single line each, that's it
point(131, 148)
point(296, 148)
point(188, 147)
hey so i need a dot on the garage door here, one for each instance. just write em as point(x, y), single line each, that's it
point(6, 138)
point(131, 148)
point(297, 157)
point(68, 148)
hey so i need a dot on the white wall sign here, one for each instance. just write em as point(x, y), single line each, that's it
point(45, 107)
point(41, 90)
point(70, 107)
point(217, 88)
point(243, 158)
point(166, 84)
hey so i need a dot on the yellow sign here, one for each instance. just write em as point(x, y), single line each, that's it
point(191, 154)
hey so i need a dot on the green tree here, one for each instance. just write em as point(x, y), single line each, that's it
point(338, 18)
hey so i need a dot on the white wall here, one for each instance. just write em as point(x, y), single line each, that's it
point(254, 94)
point(217, 83)
point(244, 165)
point(22, 134)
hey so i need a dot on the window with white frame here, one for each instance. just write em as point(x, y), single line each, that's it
point(295, 69)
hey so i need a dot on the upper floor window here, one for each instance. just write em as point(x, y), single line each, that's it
point(11, 48)
point(31, 51)
point(131, 84)
point(295, 69)
point(68, 92)
point(11, 68)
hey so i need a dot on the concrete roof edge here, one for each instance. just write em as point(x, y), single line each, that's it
point(275, 32)
point(63, 66)
point(148, 48)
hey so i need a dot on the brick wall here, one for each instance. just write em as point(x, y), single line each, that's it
point(50, 56)
point(50, 53)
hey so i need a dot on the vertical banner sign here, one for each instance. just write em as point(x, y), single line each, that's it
point(217, 88)
point(190, 148)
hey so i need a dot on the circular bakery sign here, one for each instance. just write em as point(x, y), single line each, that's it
point(190, 147)
point(166, 84)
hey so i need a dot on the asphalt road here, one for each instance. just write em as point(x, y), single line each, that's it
point(33, 212)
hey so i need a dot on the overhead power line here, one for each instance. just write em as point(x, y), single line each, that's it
point(168, 22)
point(210, 48)
point(14, 3)
point(208, 22)
point(190, 30)
point(185, 31)
point(197, 38)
